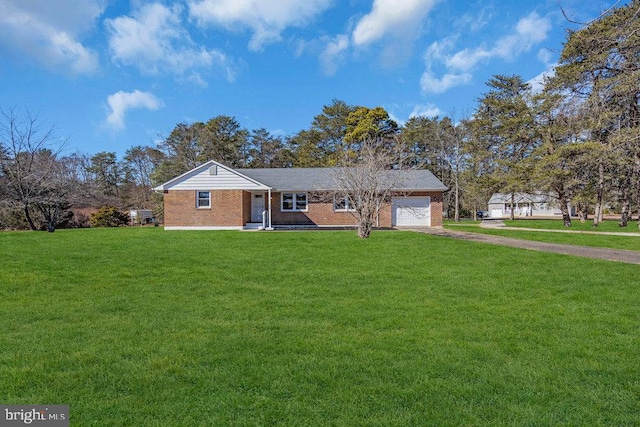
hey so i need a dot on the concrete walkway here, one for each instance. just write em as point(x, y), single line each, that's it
point(619, 255)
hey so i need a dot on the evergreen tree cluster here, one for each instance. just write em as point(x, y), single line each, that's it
point(577, 139)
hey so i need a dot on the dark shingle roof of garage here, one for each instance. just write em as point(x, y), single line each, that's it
point(324, 179)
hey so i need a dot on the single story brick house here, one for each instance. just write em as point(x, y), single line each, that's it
point(213, 196)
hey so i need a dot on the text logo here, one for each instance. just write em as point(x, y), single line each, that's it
point(34, 415)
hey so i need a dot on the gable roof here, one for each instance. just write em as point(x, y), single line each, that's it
point(292, 179)
point(212, 175)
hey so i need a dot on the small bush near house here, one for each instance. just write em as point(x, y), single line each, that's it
point(109, 216)
point(12, 218)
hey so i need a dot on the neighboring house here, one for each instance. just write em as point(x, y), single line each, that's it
point(141, 216)
point(524, 204)
point(213, 196)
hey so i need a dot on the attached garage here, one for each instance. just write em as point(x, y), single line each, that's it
point(411, 211)
point(213, 196)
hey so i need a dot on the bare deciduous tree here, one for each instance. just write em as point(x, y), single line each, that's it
point(31, 168)
point(368, 178)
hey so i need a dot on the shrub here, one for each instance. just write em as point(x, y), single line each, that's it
point(80, 220)
point(109, 216)
point(12, 218)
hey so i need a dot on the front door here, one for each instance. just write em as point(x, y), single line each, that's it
point(257, 207)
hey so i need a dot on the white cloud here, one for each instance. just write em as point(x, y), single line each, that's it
point(393, 23)
point(428, 110)
point(197, 80)
point(537, 83)
point(431, 84)
point(120, 102)
point(476, 20)
point(333, 53)
point(529, 31)
point(467, 59)
point(267, 19)
point(400, 18)
point(396, 119)
point(154, 41)
point(545, 56)
point(533, 28)
point(50, 32)
point(419, 110)
point(438, 49)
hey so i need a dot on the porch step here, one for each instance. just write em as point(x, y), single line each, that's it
point(253, 226)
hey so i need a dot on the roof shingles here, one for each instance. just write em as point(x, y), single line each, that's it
point(326, 179)
point(296, 179)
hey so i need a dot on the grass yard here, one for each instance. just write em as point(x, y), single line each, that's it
point(609, 225)
point(630, 241)
point(136, 327)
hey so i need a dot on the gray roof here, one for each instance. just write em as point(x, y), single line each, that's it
point(324, 179)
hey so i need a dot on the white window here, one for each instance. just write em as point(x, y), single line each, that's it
point(203, 199)
point(343, 203)
point(292, 202)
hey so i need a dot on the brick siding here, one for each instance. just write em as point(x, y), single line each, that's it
point(232, 208)
point(436, 207)
point(227, 209)
point(320, 211)
point(246, 207)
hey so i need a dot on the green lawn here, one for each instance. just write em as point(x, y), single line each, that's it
point(629, 241)
point(556, 224)
point(143, 327)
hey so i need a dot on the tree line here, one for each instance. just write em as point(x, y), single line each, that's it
point(41, 188)
point(576, 139)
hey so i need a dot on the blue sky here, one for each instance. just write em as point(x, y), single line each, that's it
point(114, 74)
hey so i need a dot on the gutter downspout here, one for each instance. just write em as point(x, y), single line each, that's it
point(269, 227)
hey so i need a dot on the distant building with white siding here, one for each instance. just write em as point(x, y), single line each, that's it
point(141, 216)
point(524, 205)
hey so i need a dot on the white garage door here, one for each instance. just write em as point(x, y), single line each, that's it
point(411, 211)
